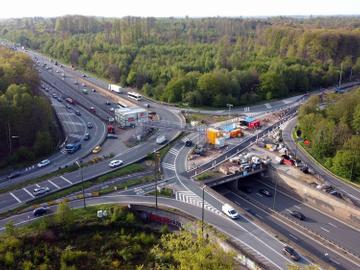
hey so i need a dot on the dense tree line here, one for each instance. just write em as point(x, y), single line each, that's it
point(205, 61)
point(26, 119)
point(77, 239)
point(334, 132)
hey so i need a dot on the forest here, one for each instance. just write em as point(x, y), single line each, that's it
point(333, 132)
point(27, 129)
point(205, 62)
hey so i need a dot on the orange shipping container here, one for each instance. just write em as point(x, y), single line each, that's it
point(212, 134)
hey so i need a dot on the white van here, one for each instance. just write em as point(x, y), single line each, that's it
point(229, 211)
point(161, 139)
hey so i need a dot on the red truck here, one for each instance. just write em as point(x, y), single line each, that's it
point(110, 129)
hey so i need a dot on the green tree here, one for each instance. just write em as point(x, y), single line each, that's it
point(64, 215)
point(272, 85)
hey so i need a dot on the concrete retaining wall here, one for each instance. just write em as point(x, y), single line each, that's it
point(324, 202)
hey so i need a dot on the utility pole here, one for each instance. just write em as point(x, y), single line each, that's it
point(79, 163)
point(9, 133)
point(156, 173)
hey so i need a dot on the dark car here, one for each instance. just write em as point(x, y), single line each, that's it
point(78, 113)
point(40, 211)
point(108, 102)
point(86, 137)
point(90, 125)
point(188, 143)
point(14, 174)
point(246, 189)
point(291, 253)
point(265, 192)
point(298, 215)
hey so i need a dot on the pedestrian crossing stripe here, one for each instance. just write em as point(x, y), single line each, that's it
point(173, 151)
point(168, 166)
point(193, 199)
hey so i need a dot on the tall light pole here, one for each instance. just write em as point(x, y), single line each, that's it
point(229, 106)
point(156, 172)
point(79, 163)
point(203, 210)
point(276, 183)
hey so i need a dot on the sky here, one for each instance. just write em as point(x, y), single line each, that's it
point(176, 8)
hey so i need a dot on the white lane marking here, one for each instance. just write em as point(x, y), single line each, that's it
point(37, 185)
point(335, 262)
point(292, 236)
point(16, 198)
point(289, 210)
point(259, 194)
point(257, 215)
point(55, 185)
point(268, 105)
point(325, 230)
point(65, 179)
point(331, 224)
point(297, 207)
point(28, 192)
point(168, 166)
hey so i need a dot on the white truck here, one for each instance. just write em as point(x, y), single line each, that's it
point(114, 88)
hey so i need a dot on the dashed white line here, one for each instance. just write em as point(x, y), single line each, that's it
point(55, 185)
point(65, 179)
point(37, 185)
point(297, 207)
point(335, 262)
point(294, 237)
point(259, 194)
point(331, 224)
point(325, 230)
point(28, 192)
point(258, 216)
point(16, 198)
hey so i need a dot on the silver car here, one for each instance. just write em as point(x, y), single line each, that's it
point(40, 191)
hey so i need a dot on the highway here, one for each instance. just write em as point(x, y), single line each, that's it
point(352, 192)
point(74, 127)
point(245, 231)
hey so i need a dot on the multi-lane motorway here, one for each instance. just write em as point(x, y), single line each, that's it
point(245, 231)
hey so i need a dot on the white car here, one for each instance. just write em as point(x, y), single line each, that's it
point(229, 211)
point(40, 191)
point(115, 163)
point(43, 163)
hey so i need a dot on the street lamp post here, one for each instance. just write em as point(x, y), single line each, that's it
point(203, 210)
point(275, 190)
point(229, 106)
point(82, 181)
point(156, 171)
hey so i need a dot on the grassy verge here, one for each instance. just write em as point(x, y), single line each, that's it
point(206, 175)
point(127, 184)
point(164, 192)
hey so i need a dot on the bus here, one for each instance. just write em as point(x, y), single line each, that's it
point(134, 95)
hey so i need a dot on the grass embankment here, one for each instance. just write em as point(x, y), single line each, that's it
point(78, 239)
point(305, 149)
